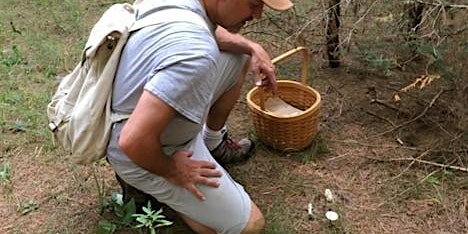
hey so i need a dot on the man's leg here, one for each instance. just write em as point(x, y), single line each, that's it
point(227, 209)
point(255, 224)
point(222, 107)
point(233, 69)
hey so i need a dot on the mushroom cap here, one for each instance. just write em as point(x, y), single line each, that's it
point(331, 215)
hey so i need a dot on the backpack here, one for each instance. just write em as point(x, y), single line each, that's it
point(79, 112)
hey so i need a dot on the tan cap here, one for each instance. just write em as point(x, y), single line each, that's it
point(279, 5)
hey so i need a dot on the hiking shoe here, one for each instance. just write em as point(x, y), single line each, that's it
point(231, 152)
point(141, 199)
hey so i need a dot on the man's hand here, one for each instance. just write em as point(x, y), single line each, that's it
point(261, 65)
point(188, 173)
point(262, 68)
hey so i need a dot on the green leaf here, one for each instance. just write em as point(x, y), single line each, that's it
point(433, 180)
point(129, 210)
point(164, 223)
point(106, 227)
point(140, 225)
point(147, 210)
point(5, 173)
point(142, 219)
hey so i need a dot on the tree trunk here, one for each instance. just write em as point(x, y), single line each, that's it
point(333, 38)
point(414, 13)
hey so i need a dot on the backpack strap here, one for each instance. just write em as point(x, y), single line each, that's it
point(117, 117)
point(170, 15)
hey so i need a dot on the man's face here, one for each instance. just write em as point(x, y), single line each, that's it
point(234, 14)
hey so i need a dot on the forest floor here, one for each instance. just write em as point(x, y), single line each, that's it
point(392, 166)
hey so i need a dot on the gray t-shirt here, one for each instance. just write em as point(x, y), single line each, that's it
point(176, 61)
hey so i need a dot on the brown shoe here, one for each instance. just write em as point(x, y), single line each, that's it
point(231, 152)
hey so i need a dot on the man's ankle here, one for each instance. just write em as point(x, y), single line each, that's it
point(213, 138)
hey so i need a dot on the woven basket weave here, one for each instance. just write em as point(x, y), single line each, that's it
point(287, 133)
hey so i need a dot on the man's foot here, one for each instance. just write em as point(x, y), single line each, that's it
point(231, 152)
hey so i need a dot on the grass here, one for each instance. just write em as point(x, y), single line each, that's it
point(42, 192)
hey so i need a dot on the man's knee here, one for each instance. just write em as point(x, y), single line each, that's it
point(256, 222)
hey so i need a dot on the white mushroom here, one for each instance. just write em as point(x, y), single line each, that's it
point(331, 215)
point(329, 195)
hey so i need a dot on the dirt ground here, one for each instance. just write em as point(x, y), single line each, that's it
point(392, 166)
point(376, 188)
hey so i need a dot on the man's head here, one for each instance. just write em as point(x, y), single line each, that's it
point(233, 14)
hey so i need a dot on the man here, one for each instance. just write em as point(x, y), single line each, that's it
point(180, 81)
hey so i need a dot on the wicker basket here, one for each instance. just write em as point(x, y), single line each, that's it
point(287, 133)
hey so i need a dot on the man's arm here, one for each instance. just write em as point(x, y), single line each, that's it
point(140, 140)
point(260, 63)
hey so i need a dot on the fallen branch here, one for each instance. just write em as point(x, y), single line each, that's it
point(415, 118)
point(443, 5)
point(419, 160)
point(454, 32)
point(465, 169)
point(350, 141)
point(409, 165)
point(380, 117)
point(380, 102)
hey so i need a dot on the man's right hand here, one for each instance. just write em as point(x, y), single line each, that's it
point(188, 173)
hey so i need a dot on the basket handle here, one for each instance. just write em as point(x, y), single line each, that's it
point(305, 63)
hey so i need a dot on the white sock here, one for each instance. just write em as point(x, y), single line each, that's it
point(213, 138)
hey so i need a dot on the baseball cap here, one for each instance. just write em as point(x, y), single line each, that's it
point(279, 5)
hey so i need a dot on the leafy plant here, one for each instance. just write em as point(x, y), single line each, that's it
point(5, 173)
point(12, 59)
point(106, 227)
point(152, 219)
point(380, 62)
point(317, 148)
point(433, 180)
point(29, 206)
point(124, 212)
point(20, 126)
point(436, 59)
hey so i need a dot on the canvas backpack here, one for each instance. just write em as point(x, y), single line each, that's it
point(79, 113)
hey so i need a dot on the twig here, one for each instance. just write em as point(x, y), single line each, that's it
point(351, 141)
point(273, 22)
point(380, 102)
point(303, 27)
point(406, 190)
point(411, 164)
point(415, 118)
point(464, 169)
point(339, 156)
point(443, 5)
point(380, 117)
point(347, 39)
